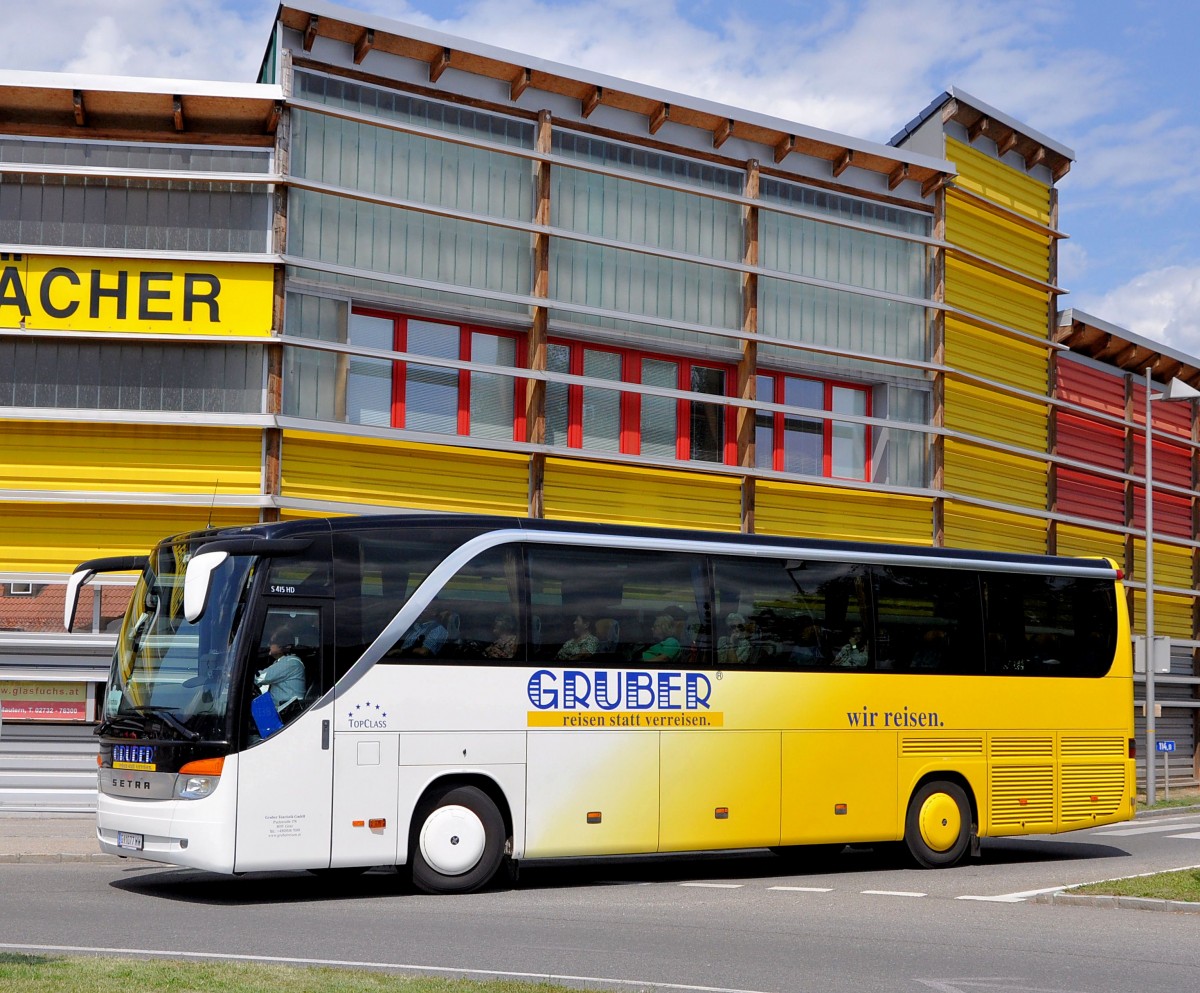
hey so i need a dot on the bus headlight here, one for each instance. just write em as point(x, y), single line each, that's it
point(198, 779)
point(195, 787)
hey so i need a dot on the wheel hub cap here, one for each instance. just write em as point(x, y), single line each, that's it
point(941, 822)
point(452, 840)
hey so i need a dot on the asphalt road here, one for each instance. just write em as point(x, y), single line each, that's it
point(862, 921)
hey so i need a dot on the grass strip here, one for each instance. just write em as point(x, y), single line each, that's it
point(1182, 884)
point(22, 973)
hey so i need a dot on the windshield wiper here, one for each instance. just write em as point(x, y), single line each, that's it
point(168, 716)
point(117, 724)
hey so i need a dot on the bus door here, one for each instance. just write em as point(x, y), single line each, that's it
point(285, 770)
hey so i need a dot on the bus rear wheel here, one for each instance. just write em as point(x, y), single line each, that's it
point(938, 827)
point(459, 841)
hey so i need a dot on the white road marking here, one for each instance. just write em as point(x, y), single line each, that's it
point(1190, 836)
point(1148, 829)
point(1012, 897)
point(803, 889)
point(716, 886)
point(352, 964)
point(891, 893)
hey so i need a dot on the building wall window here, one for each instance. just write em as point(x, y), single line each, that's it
point(807, 445)
point(59, 373)
point(384, 392)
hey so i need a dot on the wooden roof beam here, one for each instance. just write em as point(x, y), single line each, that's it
point(80, 113)
point(519, 84)
point(439, 65)
point(1168, 368)
point(723, 132)
point(364, 44)
point(660, 116)
point(898, 175)
point(933, 184)
point(980, 128)
point(844, 161)
point(949, 111)
point(310, 32)
point(785, 147)
point(273, 117)
point(1006, 142)
point(1036, 157)
point(590, 102)
point(177, 112)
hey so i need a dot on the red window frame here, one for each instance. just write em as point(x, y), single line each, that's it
point(778, 380)
point(463, 400)
point(630, 430)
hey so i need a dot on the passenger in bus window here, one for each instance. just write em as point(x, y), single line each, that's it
point(733, 648)
point(427, 637)
point(667, 648)
point(808, 648)
point(853, 654)
point(284, 677)
point(931, 653)
point(583, 645)
point(504, 638)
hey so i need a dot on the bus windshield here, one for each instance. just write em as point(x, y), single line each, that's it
point(169, 677)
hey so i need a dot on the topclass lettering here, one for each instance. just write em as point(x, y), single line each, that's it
point(602, 690)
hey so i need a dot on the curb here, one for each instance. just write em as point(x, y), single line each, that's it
point(1062, 898)
point(53, 857)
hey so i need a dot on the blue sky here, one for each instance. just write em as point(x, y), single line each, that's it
point(1115, 81)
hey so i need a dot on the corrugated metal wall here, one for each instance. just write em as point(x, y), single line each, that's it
point(821, 512)
point(41, 538)
point(342, 469)
point(61, 456)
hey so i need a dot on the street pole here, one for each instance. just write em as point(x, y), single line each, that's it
point(1149, 653)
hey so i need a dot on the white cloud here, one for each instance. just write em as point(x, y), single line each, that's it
point(191, 39)
point(1163, 304)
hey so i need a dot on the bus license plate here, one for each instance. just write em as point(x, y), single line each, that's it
point(136, 842)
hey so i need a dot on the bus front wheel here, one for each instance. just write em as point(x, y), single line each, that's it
point(459, 841)
point(938, 827)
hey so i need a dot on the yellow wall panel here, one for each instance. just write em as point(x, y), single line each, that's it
point(979, 411)
point(344, 469)
point(826, 512)
point(130, 458)
point(997, 298)
point(620, 494)
point(1005, 242)
point(1172, 614)
point(1000, 183)
point(997, 476)
point(1172, 564)
point(56, 537)
point(1087, 543)
point(1022, 364)
point(994, 530)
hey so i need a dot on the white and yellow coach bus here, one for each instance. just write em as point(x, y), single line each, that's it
point(446, 692)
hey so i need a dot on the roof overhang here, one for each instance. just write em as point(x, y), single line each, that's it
point(1113, 345)
point(365, 33)
point(76, 106)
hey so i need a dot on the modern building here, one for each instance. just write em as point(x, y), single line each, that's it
point(408, 271)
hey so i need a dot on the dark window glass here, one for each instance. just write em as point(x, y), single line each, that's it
point(928, 620)
point(376, 572)
point(1049, 625)
point(784, 613)
point(596, 606)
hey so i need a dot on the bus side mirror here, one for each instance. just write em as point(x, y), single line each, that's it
point(197, 582)
point(78, 578)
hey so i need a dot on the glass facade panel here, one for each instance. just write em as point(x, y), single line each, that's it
point(803, 437)
point(558, 409)
point(50, 373)
point(102, 155)
point(849, 452)
point(707, 419)
point(137, 215)
point(764, 425)
point(601, 417)
point(660, 415)
point(431, 393)
point(492, 404)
